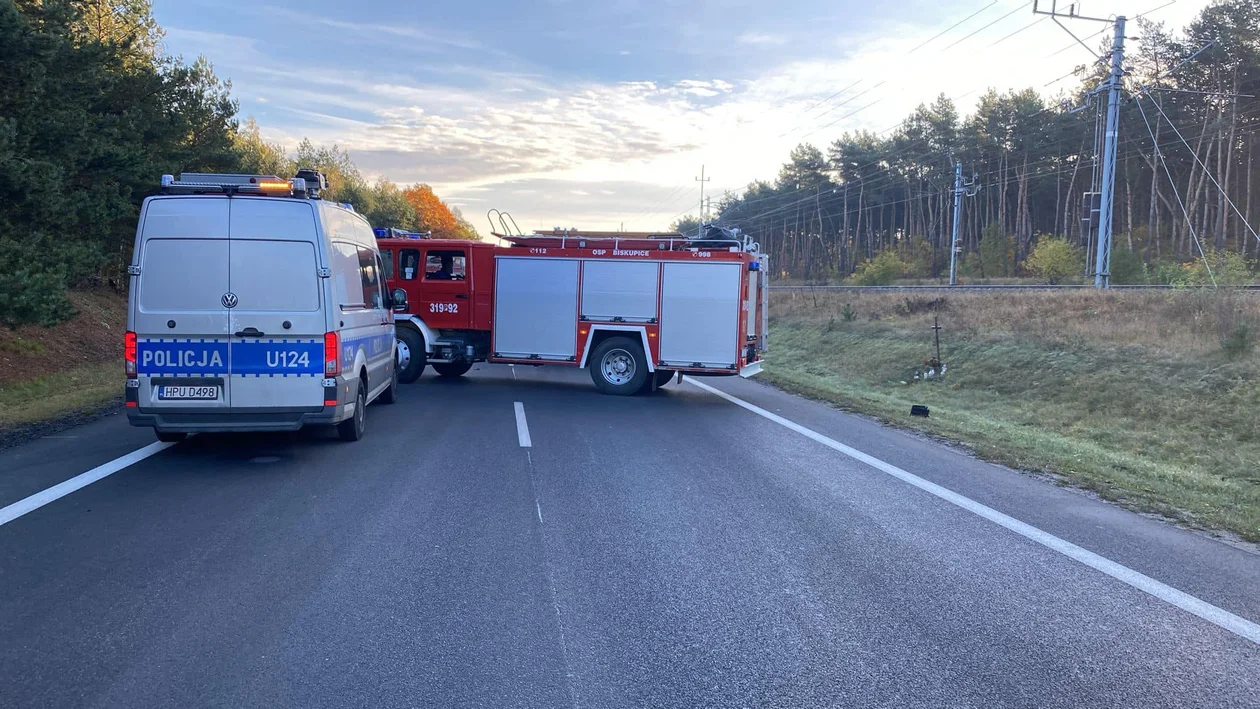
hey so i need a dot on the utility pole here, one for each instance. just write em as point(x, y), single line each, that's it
point(953, 241)
point(702, 179)
point(961, 189)
point(1102, 260)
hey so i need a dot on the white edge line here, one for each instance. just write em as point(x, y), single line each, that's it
point(60, 490)
point(522, 428)
point(1213, 614)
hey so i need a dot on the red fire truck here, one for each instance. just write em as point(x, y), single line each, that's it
point(634, 308)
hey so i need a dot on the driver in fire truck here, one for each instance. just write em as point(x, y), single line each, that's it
point(444, 271)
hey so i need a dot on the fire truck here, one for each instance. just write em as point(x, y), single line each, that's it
point(635, 309)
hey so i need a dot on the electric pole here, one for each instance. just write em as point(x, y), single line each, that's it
point(702, 179)
point(961, 189)
point(953, 241)
point(1113, 84)
point(1102, 263)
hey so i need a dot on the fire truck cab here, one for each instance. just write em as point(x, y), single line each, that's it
point(634, 309)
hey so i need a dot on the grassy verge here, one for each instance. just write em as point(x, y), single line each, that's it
point(1147, 399)
point(59, 394)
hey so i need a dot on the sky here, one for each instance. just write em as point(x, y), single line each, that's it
point(600, 114)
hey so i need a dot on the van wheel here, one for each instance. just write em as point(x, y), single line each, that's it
point(170, 436)
point(452, 369)
point(390, 395)
point(352, 428)
point(410, 358)
point(619, 367)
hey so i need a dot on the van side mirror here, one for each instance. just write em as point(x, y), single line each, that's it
point(398, 300)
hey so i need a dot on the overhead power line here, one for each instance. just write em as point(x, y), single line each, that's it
point(973, 34)
point(1159, 157)
point(947, 29)
point(1202, 166)
point(833, 96)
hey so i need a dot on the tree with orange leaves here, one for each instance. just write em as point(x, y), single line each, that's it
point(432, 214)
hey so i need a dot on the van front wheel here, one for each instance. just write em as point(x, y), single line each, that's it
point(352, 428)
point(390, 395)
point(410, 358)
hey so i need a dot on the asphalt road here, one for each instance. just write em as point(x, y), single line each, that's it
point(673, 550)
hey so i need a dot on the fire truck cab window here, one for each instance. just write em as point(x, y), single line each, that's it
point(409, 264)
point(387, 261)
point(444, 266)
point(370, 279)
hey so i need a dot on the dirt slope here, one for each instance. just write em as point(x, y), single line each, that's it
point(94, 335)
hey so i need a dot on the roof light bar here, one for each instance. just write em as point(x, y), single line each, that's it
point(200, 182)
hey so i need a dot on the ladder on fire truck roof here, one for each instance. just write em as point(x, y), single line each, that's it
point(661, 241)
point(506, 223)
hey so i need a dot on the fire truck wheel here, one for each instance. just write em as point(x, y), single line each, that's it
point(662, 378)
point(619, 367)
point(411, 357)
point(452, 369)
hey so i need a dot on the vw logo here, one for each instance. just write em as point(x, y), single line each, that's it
point(229, 300)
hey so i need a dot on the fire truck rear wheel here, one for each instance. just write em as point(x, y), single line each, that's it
point(619, 367)
point(411, 357)
point(452, 369)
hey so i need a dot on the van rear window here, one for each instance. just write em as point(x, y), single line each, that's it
point(183, 275)
point(275, 275)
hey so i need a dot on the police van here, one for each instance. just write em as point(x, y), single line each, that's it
point(255, 306)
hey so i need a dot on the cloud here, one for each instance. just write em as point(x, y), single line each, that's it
point(761, 39)
point(542, 203)
point(424, 39)
point(587, 150)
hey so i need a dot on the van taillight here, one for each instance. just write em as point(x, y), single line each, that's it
point(129, 353)
point(332, 355)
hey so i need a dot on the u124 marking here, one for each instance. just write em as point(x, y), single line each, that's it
point(288, 359)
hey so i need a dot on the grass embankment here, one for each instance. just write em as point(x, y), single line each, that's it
point(1148, 398)
point(74, 367)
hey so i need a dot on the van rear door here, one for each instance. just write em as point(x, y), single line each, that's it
point(278, 322)
point(181, 323)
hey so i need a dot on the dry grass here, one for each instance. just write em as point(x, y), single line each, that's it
point(1131, 394)
point(74, 367)
point(1183, 322)
point(52, 396)
point(93, 335)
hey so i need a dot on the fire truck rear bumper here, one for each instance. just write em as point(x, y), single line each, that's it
point(749, 370)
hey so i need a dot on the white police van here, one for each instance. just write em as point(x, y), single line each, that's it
point(255, 306)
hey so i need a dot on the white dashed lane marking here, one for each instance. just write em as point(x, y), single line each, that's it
point(522, 427)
